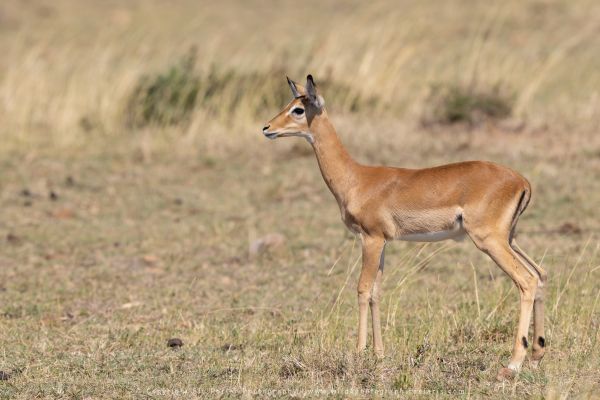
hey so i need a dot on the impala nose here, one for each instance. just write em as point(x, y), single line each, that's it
point(266, 127)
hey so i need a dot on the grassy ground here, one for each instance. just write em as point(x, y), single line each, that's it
point(114, 240)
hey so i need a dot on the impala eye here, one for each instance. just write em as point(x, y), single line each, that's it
point(298, 111)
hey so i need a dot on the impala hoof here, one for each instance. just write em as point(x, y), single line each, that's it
point(534, 364)
point(506, 374)
point(536, 358)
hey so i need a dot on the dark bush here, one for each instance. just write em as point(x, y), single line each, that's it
point(171, 96)
point(450, 104)
point(167, 98)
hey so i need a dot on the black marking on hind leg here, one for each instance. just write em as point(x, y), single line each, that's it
point(515, 217)
point(542, 341)
point(459, 219)
point(524, 340)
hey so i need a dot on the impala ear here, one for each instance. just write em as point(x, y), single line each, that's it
point(311, 92)
point(295, 91)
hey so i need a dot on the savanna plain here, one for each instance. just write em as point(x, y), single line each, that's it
point(135, 185)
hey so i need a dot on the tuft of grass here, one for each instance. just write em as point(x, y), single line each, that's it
point(167, 98)
point(171, 96)
point(451, 104)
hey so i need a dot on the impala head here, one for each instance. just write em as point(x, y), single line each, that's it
point(296, 118)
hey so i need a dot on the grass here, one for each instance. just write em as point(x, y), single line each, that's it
point(168, 98)
point(457, 104)
point(116, 238)
point(171, 96)
point(132, 253)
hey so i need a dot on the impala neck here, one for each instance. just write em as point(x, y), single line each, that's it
point(336, 165)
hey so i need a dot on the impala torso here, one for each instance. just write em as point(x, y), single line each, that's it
point(428, 204)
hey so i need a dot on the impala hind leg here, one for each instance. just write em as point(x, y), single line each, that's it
point(539, 339)
point(376, 293)
point(500, 251)
point(371, 253)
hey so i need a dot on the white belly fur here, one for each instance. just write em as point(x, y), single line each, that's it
point(456, 233)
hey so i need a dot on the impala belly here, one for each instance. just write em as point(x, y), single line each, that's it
point(429, 225)
point(456, 233)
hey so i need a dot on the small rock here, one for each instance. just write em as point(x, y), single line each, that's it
point(569, 228)
point(51, 255)
point(63, 213)
point(227, 347)
point(131, 305)
point(225, 280)
point(69, 181)
point(4, 376)
point(265, 243)
point(174, 342)
point(13, 239)
point(53, 196)
point(68, 316)
point(26, 193)
point(150, 259)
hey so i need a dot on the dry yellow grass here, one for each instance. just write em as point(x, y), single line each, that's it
point(146, 236)
point(68, 61)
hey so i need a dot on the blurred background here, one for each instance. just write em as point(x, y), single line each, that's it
point(140, 202)
point(75, 69)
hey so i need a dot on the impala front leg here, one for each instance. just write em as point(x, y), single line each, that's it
point(375, 318)
point(371, 255)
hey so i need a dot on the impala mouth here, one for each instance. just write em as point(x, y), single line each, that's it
point(270, 135)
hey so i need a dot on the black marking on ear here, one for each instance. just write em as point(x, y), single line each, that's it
point(311, 93)
point(542, 341)
point(525, 344)
point(311, 88)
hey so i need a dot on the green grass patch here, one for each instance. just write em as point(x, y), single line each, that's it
point(451, 104)
point(171, 96)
